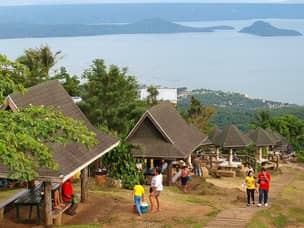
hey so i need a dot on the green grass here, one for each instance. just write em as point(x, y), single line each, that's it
point(195, 200)
point(213, 213)
point(297, 213)
point(280, 221)
point(256, 224)
point(264, 213)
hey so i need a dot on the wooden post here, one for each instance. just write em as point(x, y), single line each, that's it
point(260, 154)
point(84, 184)
point(230, 156)
point(210, 158)
point(1, 213)
point(48, 203)
point(169, 173)
point(217, 153)
point(277, 162)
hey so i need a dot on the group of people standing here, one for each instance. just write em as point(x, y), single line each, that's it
point(259, 184)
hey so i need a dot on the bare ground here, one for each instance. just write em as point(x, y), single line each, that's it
point(205, 205)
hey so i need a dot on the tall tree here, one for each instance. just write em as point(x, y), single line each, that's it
point(70, 83)
point(39, 61)
point(12, 76)
point(262, 119)
point(110, 97)
point(199, 115)
point(152, 97)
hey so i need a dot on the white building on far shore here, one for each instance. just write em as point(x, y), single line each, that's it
point(165, 94)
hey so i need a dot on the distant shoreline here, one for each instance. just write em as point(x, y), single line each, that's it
point(146, 26)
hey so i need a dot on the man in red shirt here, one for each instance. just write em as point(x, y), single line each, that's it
point(67, 190)
point(263, 181)
point(68, 197)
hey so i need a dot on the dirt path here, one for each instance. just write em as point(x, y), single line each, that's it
point(240, 215)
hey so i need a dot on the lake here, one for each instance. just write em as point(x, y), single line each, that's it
point(262, 67)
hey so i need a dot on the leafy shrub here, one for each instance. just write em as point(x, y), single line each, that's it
point(122, 165)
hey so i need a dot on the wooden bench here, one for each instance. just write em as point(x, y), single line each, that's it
point(226, 173)
point(32, 198)
point(8, 201)
point(57, 214)
point(214, 172)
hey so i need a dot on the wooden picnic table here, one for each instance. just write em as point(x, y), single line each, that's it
point(32, 198)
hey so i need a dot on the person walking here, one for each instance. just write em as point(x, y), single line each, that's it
point(156, 188)
point(138, 195)
point(264, 184)
point(251, 187)
point(184, 176)
point(197, 166)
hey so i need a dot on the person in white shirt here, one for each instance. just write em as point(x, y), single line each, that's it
point(156, 188)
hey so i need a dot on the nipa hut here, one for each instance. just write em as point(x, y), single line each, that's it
point(162, 134)
point(71, 158)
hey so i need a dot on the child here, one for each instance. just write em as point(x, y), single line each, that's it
point(138, 194)
point(251, 187)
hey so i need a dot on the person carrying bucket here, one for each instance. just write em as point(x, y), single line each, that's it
point(139, 194)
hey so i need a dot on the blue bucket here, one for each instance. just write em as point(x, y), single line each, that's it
point(144, 208)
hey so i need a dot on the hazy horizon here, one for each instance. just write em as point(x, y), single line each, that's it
point(59, 2)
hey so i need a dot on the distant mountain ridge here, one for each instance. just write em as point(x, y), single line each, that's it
point(154, 25)
point(129, 13)
point(222, 99)
point(262, 28)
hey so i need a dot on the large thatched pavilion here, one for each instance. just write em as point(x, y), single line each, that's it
point(162, 134)
point(71, 158)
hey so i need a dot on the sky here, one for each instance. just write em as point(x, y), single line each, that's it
point(36, 2)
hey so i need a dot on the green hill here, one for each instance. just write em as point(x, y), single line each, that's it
point(235, 108)
point(262, 28)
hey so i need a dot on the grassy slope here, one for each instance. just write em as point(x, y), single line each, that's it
point(287, 209)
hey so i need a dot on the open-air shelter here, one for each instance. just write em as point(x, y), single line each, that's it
point(280, 140)
point(71, 158)
point(232, 138)
point(212, 136)
point(162, 134)
point(262, 139)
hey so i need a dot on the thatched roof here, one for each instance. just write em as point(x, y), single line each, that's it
point(261, 137)
point(163, 133)
point(280, 140)
point(232, 137)
point(214, 133)
point(71, 157)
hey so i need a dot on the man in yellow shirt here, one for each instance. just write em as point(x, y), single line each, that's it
point(251, 185)
point(139, 193)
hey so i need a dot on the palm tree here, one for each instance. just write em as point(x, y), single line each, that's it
point(39, 61)
point(262, 119)
point(152, 97)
